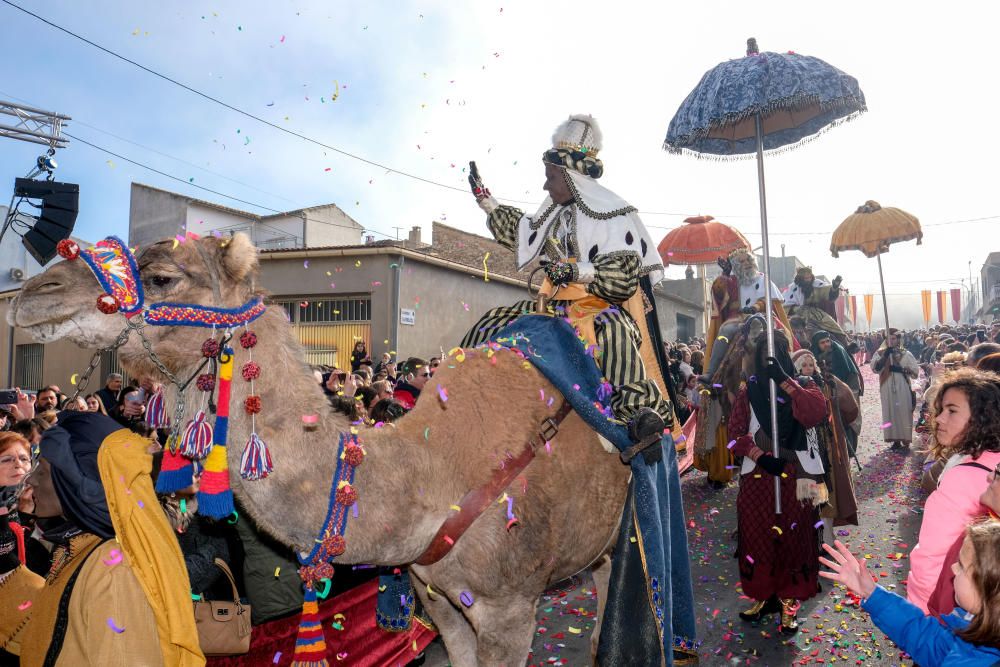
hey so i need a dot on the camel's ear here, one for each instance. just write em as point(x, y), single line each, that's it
point(239, 257)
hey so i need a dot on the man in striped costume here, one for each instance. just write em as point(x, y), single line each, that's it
point(600, 266)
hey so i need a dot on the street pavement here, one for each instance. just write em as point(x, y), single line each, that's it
point(833, 629)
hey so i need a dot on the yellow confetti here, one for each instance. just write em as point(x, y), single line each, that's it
point(73, 378)
point(430, 591)
point(175, 245)
point(501, 501)
point(486, 270)
point(277, 571)
point(456, 508)
point(777, 529)
point(573, 630)
point(357, 264)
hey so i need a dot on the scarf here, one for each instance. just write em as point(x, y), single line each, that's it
point(71, 450)
point(791, 435)
point(149, 544)
point(842, 366)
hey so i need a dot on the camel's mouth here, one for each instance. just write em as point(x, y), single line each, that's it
point(47, 319)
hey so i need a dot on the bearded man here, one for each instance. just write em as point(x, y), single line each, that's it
point(813, 300)
point(738, 293)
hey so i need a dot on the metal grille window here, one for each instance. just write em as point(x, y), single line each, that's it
point(328, 328)
point(109, 365)
point(28, 362)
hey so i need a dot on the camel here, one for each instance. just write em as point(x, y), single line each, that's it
point(568, 501)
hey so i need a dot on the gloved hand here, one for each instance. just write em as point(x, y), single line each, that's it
point(743, 445)
point(726, 266)
point(8, 546)
point(560, 273)
point(775, 371)
point(772, 465)
point(480, 191)
point(836, 282)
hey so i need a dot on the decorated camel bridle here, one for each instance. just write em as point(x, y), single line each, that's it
point(113, 265)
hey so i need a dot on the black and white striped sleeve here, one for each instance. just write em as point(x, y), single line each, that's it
point(503, 223)
point(612, 277)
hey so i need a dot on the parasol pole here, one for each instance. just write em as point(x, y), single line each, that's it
point(769, 310)
point(881, 282)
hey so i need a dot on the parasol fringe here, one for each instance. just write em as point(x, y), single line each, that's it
point(674, 150)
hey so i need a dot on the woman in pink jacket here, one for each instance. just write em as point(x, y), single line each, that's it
point(966, 422)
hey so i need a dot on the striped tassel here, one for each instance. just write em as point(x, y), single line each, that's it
point(256, 460)
point(197, 439)
point(176, 472)
point(310, 645)
point(215, 497)
point(156, 412)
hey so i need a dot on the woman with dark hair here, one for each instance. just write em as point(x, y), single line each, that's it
point(963, 422)
point(777, 552)
point(359, 354)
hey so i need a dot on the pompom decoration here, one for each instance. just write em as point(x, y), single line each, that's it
point(156, 412)
point(210, 348)
point(68, 249)
point(197, 439)
point(346, 495)
point(107, 304)
point(354, 455)
point(252, 405)
point(205, 382)
point(251, 371)
point(255, 463)
point(248, 339)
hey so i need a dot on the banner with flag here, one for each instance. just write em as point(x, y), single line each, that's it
point(956, 304)
point(925, 301)
point(942, 297)
point(869, 305)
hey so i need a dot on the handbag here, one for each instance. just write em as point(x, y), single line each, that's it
point(223, 626)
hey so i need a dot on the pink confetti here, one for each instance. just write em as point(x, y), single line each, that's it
point(750, 558)
point(282, 40)
point(442, 394)
point(115, 557)
point(732, 443)
point(277, 657)
point(111, 624)
point(24, 605)
point(886, 425)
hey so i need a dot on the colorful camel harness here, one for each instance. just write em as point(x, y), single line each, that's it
point(115, 268)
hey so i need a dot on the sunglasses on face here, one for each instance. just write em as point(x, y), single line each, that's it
point(993, 475)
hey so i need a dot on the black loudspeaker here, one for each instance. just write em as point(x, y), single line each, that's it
point(60, 205)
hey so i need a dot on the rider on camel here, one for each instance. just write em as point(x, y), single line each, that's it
point(596, 255)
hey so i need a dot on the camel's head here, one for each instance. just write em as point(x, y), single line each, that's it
point(61, 302)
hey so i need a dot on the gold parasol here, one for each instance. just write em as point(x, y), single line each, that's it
point(872, 229)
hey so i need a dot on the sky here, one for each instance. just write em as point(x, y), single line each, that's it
point(424, 87)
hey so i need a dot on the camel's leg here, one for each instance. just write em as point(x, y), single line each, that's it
point(601, 570)
point(504, 628)
point(456, 632)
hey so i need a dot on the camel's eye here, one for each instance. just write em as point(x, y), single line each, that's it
point(162, 281)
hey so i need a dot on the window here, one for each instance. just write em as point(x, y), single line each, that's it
point(109, 365)
point(328, 328)
point(28, 361)
point(685, 327)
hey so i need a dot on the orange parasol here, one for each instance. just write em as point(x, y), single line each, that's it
point(701, 240)
point(871, 229)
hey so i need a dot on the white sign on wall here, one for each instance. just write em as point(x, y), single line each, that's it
point(407, 316)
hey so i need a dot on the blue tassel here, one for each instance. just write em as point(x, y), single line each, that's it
point(197, 439)
point(255, 463)
point(216, 505)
